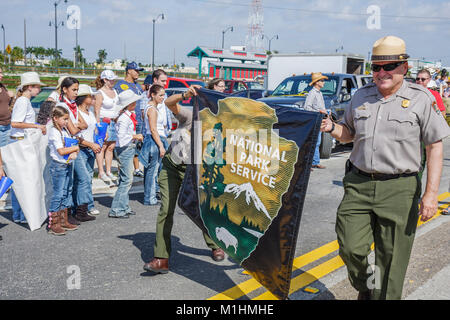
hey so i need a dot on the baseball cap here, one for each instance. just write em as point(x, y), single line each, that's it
point(133, 66)
point(108, 74)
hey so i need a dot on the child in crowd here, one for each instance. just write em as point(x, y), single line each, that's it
point(125, 151)
point(61, 171)
point(84, 163)
point(45, 112)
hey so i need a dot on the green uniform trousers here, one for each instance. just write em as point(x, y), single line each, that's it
point(384, 213)
point(170, 179)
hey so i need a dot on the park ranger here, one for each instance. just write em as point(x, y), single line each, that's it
point(387, 120)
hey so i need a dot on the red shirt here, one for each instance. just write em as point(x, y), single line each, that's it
point(439, 101)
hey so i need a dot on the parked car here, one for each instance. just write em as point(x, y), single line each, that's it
point(232, 86)
point(174, 82)
point(337, 93)
point(363, 79)
point(41, 97)
point(250, 93)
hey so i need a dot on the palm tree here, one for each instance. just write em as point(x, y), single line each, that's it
point(79, 55)
point(101, 56)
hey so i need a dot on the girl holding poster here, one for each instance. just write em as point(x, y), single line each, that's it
point(61, 170)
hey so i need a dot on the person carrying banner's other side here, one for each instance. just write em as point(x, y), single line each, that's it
point(387, 120)
point(23, 117)
point(61, 170)
point(170, 180)
point(84, 163)
point(125, 150)
point(314, 102)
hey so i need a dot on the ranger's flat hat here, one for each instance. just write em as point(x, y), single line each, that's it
point(389, 48)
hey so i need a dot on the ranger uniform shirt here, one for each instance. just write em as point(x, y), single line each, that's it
point(387, 132)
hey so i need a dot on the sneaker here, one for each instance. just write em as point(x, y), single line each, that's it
point(138, 173)
point(104, 177)
point(93, 212)
point(111, 176)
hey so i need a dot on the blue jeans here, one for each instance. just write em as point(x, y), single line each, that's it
point(82, 181)
point(120, 204)
point(62, 179)
point(152, 170)
point(316, 159)
point(4, 135)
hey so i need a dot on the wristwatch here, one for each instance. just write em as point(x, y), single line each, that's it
point(182, 96)
point(332, 128)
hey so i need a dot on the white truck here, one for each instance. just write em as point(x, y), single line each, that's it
point(282, 66)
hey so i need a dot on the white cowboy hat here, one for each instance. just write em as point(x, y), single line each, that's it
point(108, 74)
point(84, 90)
point(29, 79)
point(126, 98)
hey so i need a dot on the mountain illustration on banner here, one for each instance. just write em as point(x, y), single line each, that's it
point(244, 174)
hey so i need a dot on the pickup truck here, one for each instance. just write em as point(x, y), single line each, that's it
point(337, 93)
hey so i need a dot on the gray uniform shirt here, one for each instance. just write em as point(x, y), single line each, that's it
point(180, 146)
point(388, 132)
point(314, 101)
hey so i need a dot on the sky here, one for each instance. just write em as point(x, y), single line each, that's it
point(124, 27)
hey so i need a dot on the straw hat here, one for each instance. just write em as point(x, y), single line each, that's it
point(60, 80)
point(317, 76)
point(126, 98)
point(84, 90)
point(29, 79)
point(389, 48)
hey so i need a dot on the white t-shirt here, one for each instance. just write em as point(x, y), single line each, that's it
point(55, 142)
point(22, 112)
point(124, 129)
point(88, 133)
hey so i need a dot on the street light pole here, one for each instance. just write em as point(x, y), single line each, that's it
point(270, 39)
point(4, 45)
point(223, 35)
point(56, 29)
point(153, 51)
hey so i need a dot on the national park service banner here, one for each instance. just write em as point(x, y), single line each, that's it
point(248, 182)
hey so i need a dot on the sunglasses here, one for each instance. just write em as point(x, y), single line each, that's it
point(386, 67)
point(422, 79)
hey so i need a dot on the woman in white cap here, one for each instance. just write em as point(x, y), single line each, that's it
point(24, 117)
point(105, 111)
point(125, 151)
point(84, 163)
point(56, 94)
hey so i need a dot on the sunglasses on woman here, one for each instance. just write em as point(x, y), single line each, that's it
point(386, 67)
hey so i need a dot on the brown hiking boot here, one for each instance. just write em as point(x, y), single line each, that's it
point(65, 224)
point(82, 213)
point(71, 218)
point(54, 224)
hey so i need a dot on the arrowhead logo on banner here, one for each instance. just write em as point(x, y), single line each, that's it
point(248, 187)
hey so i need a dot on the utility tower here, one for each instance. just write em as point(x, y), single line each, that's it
point(254, 39)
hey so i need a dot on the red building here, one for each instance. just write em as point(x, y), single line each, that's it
point(231, 64)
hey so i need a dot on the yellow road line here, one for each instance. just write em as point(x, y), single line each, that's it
point(299, 262)
point(309, 276)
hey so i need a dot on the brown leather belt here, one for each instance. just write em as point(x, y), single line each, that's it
point(382, 176)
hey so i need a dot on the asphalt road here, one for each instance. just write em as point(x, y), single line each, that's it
point(103, 259)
